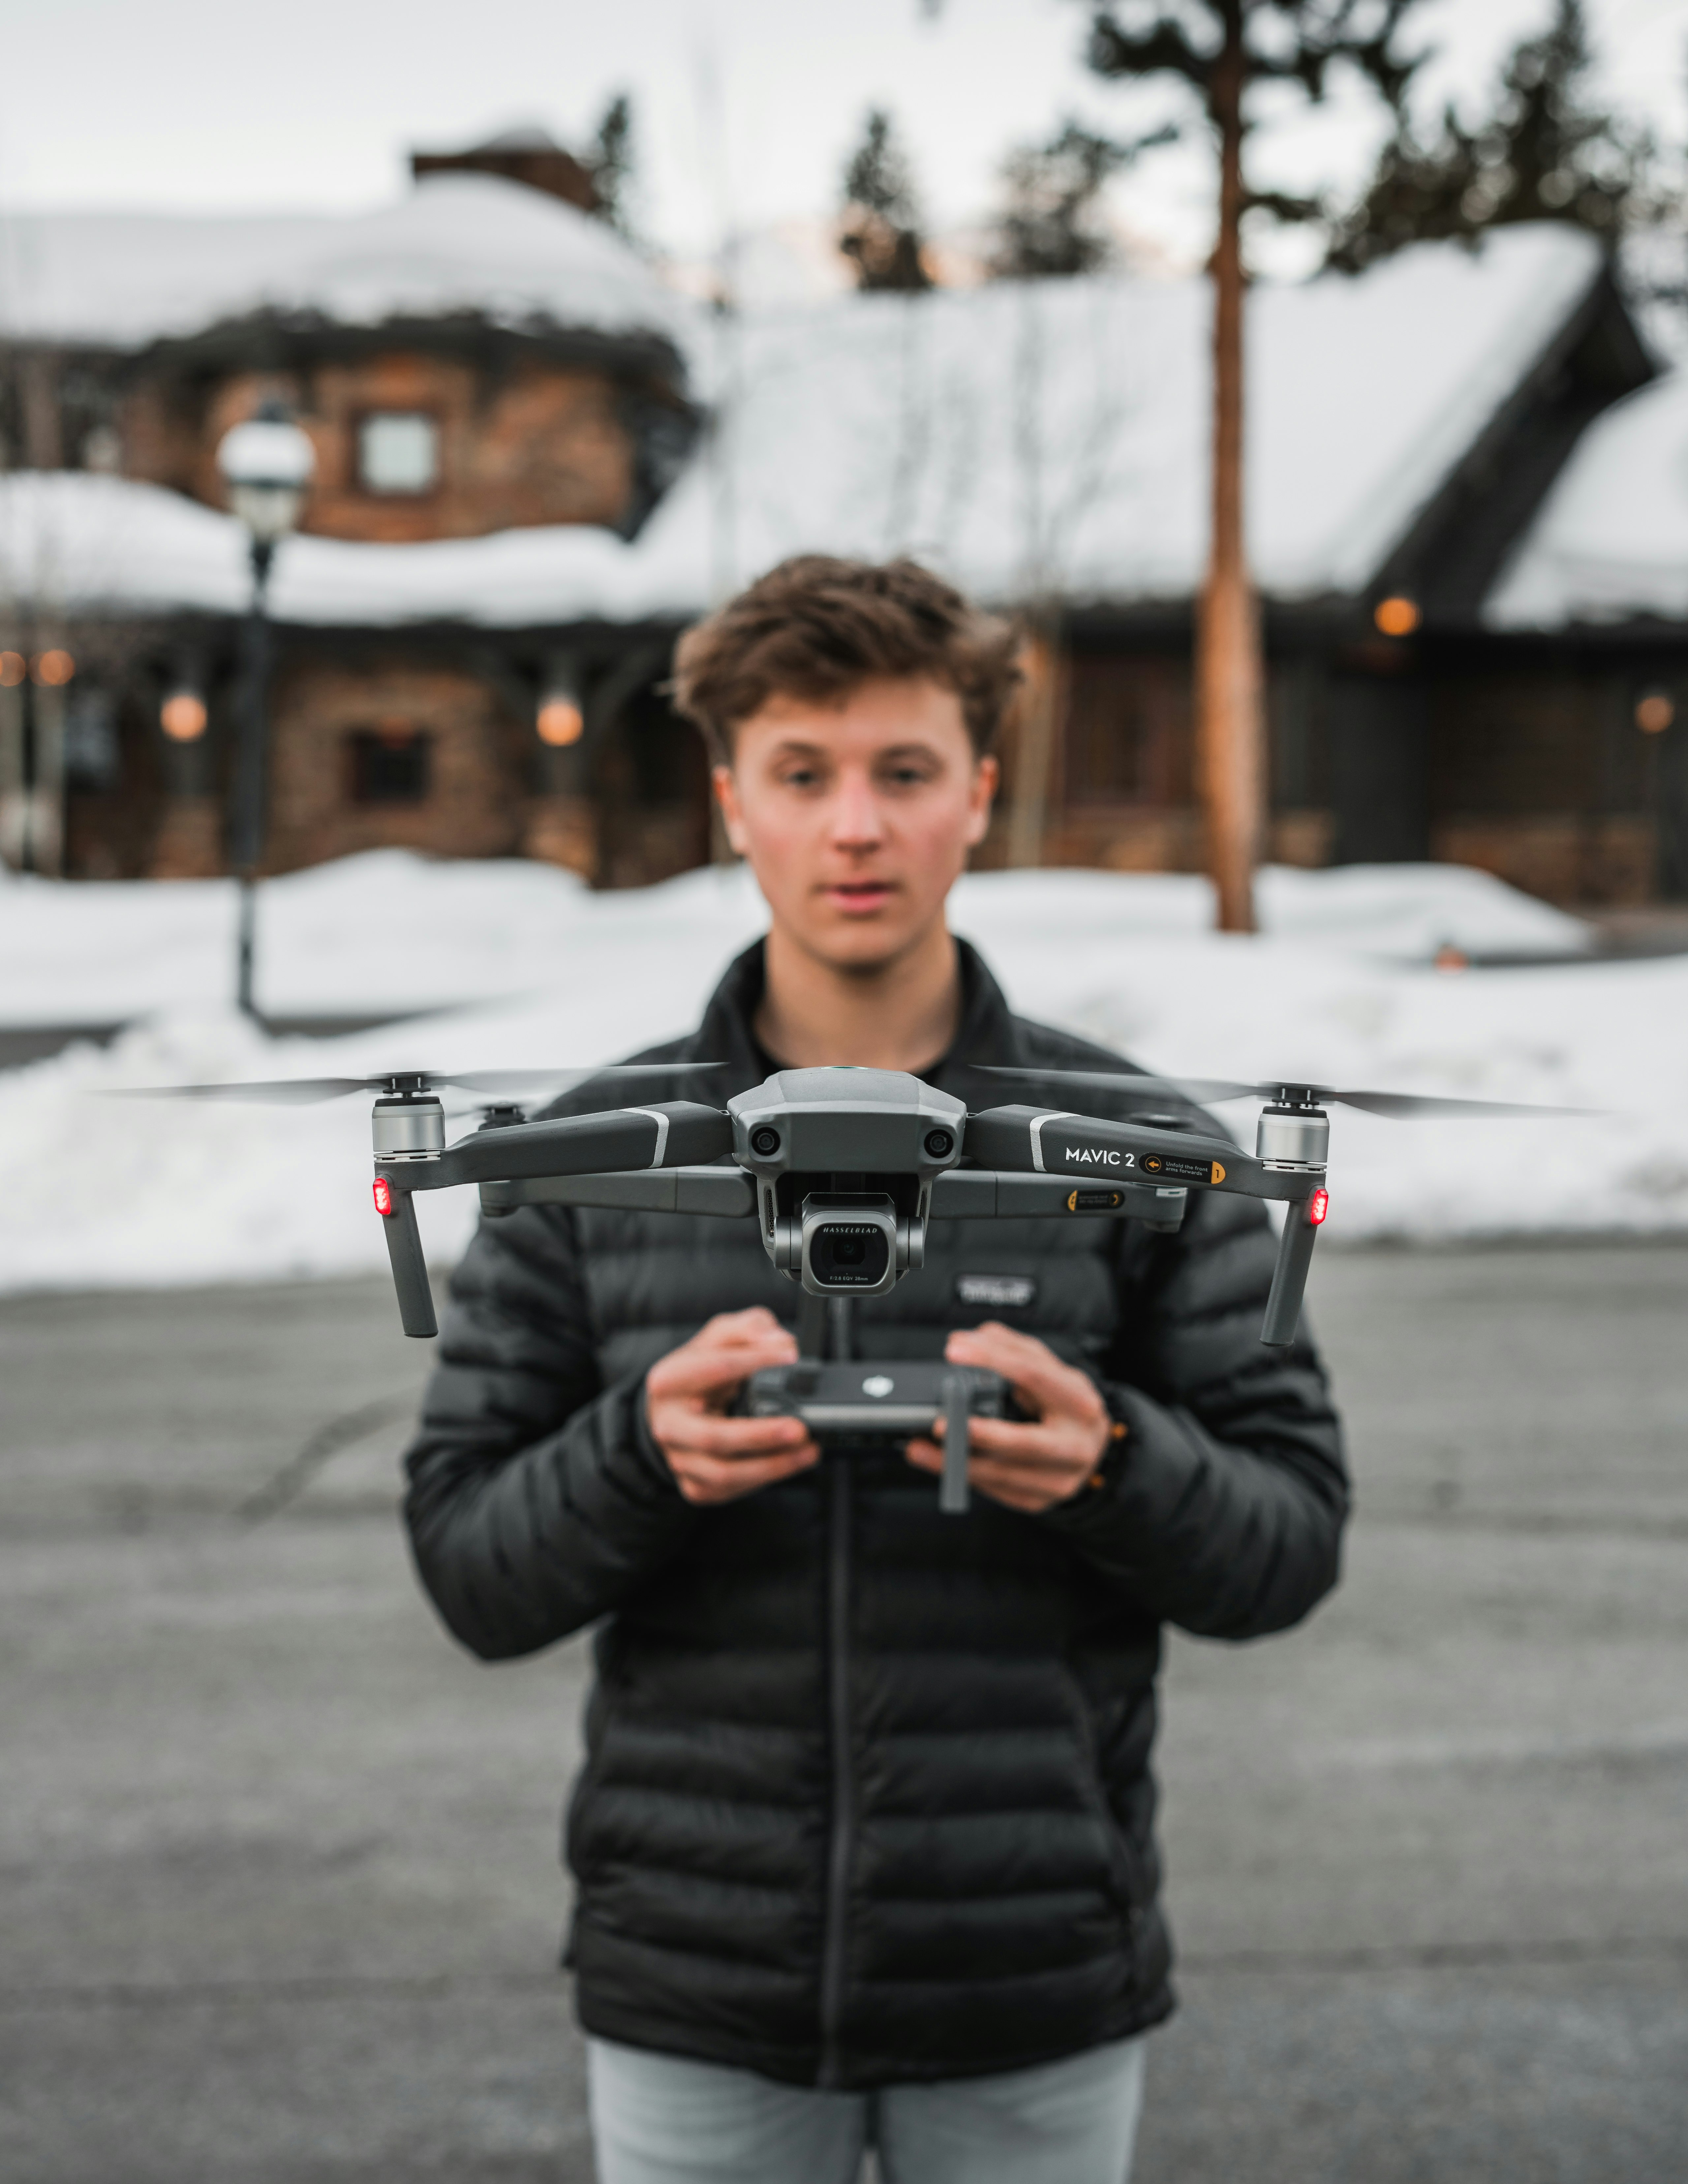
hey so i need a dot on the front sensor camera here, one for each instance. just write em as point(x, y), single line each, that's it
point(940, 1144)
point(765, 1142)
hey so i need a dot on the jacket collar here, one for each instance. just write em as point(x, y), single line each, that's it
point(987, 1033)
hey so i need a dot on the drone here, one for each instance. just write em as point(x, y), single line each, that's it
point(842, 1169)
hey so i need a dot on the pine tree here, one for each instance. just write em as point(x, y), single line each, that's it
point(1049, 226)
point(1221, 48)
point(881, 219)
point(1542, 152)
point(610, 163)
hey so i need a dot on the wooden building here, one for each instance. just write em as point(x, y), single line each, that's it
point(516, 508)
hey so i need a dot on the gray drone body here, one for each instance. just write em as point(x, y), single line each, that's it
point(845, 1161)
point(842, 1169)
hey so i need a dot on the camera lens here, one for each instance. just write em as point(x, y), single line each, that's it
point(849, 1255)
point(937, 1143)
point(765, 1141)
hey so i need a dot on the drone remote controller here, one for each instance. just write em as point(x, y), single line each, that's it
point(868, 1404)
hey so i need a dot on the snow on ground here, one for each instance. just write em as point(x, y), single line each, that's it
point(104, 1193)
point(390, 930)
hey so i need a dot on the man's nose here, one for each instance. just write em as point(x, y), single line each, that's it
point(856, 819)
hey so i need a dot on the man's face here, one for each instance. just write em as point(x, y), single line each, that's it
point(857, 817)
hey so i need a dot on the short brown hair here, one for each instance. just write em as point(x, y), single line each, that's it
point(816, 627)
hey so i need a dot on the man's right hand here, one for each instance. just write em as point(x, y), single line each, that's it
point(715, 1457)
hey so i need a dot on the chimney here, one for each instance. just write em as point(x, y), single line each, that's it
point(527, 155)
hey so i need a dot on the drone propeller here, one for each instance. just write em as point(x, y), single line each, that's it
point(1398, 1106)
point(309, 1091)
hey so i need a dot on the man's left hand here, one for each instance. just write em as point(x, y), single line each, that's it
point(1027, 1464)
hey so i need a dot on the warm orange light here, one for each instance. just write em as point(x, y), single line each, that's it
point(1654, 713)
point(13, 669)
point(560, 722)
point(54, 668)
point(1397, 616)
point(182, 716)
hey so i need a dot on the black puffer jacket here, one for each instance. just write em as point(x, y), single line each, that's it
point(867, 1796)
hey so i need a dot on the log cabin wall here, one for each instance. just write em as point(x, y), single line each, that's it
point(497, 445)
point(1519, 757)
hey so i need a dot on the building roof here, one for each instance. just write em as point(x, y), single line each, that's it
point(1610, 541)
point(1043, 437)
point(456, 243)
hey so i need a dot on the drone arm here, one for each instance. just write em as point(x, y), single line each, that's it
point(1301, 1219)
point(409, 1266)
point(971, 1194)
point(1086, 1148)
point(719, 1190)
point(672, 1135)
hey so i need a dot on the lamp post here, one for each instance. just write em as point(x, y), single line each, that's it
point(266, 464)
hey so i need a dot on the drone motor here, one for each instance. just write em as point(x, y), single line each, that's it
point(1293, 1136)
point(408, 1126)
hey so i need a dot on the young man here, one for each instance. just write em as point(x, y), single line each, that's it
point(863, 1845)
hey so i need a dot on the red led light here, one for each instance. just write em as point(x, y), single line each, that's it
point(383, 1198)
point(1317, 1206)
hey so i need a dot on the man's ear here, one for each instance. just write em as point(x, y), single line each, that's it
point(726, 790)
point(981, 795)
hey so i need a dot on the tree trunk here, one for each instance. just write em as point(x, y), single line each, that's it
point(1041, 701)
point(1228, 673)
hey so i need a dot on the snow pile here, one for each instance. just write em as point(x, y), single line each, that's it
point(1047, 435)
point(1611, 541)
point(456, 244)
point(389, 931)
point(101, 1193)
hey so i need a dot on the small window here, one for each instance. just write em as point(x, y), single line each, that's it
point(389, 765)
point(398, 451)
point(91, 754)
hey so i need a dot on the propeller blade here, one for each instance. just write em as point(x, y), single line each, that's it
point(285, 1092)
point(1397, 1106)
point(1200, 1089)
point(536, 1080)
point(308, 1091)
point(1403, 1106)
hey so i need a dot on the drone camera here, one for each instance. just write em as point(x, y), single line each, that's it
point(849, 1244)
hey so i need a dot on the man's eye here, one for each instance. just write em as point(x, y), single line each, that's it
point(908, 777)
point(798, 776)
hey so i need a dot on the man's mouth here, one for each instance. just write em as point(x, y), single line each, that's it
point(859, 895)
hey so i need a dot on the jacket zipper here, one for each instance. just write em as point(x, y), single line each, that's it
point(839, 1842)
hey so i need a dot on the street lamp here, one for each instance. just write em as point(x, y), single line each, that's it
point(266, 464)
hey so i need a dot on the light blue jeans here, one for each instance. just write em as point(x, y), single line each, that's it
point(664, 2119)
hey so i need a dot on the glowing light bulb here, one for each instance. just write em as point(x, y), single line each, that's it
point(182, 716)
point(560, 722)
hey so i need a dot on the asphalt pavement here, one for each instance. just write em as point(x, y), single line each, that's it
point(280, 1901)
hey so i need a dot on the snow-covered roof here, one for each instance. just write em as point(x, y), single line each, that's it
point(1056, 433)
point(457, 242)
point(1047, 436)
point(1610, 542)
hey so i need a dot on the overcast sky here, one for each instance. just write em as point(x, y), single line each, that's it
point(745, 109)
